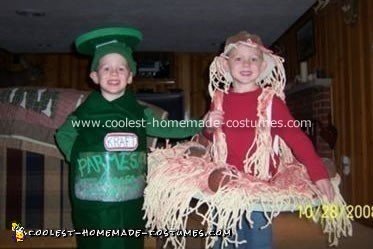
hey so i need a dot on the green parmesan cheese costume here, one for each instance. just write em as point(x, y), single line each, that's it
point(108, 165)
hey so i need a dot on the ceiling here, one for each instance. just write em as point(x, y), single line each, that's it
point(167, 25)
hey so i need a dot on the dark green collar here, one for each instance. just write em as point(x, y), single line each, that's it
point(96, 104)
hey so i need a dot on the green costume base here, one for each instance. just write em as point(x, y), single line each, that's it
point(126, 215)
point(93, 211)
point(98, 177)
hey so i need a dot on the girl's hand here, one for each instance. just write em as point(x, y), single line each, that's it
point(214, 120)
point(218, 178)
point(325, 186)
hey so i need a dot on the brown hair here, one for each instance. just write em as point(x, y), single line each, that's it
point(243, 36)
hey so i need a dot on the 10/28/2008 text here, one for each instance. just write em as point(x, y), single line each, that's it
point(332, 211)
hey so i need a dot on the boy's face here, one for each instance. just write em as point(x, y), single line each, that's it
point(245, 65)
point(113, 76)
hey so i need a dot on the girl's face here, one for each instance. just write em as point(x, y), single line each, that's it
point(245, 65)
point(113, 75)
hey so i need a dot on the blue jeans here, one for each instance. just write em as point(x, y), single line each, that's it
point(255, 237)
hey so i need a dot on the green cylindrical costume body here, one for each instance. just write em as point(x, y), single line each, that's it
point(108, 165)
point(107, 177)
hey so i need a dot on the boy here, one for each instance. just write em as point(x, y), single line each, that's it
point(107, 177)
point(247, 65)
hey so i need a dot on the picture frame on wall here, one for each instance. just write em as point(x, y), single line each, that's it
point(306, 40)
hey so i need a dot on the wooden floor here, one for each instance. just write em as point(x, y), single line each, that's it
point(290, 232)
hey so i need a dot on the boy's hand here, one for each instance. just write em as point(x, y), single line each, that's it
point(325, 186)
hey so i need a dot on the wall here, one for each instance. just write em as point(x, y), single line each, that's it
point(48, 70)
point(314, 105)
point(192, 75)
point(344, 52)
point(189, 72)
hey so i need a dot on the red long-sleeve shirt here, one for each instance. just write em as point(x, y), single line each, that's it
point(242, 107)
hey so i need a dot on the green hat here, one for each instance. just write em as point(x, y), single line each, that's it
point(100, 42)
